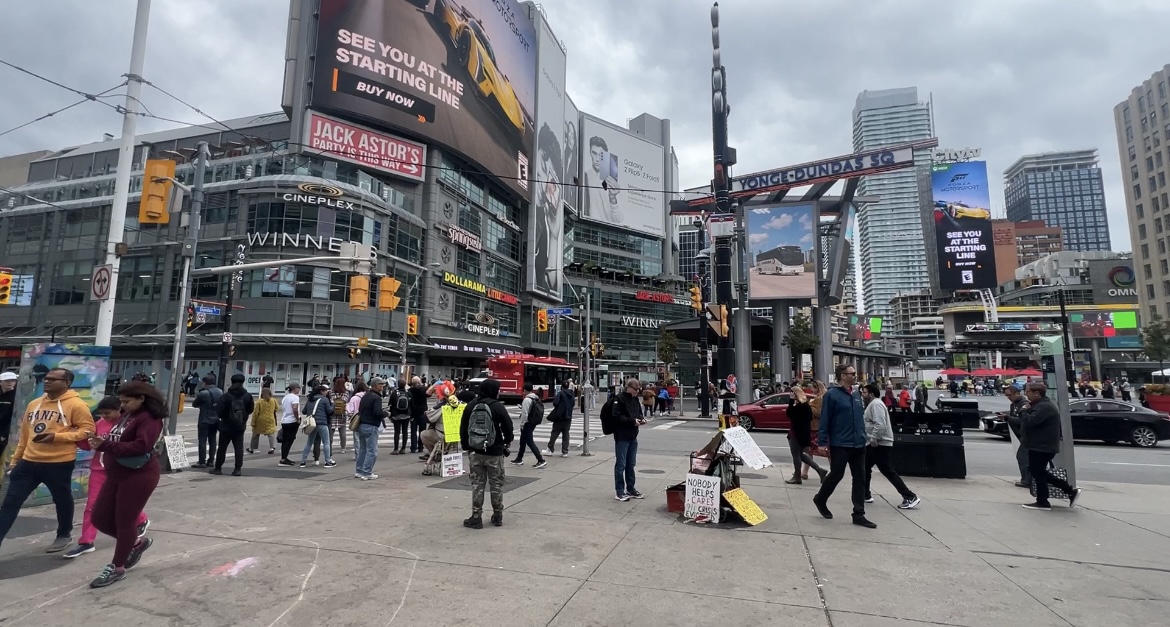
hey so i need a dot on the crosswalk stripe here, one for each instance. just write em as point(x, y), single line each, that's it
point(672, 423)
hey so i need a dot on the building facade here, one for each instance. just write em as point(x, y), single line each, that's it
point(1064, 189)
point(888, 264)
point(917, 327)
point(1143, 142)
point(1020, 243)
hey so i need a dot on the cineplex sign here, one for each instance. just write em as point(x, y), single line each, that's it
point(450, 278)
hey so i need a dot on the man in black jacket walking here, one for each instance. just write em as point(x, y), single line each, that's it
point(561, 418)
point(1040, 431)
point(487, 465)
point(233, 409)
point(627, 416)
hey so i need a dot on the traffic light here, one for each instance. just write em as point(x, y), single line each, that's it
point(5, 288)
point(156, 194)
point(596, 348)
point(412, 324)
point(354, 352)
point(387, 299)
point(542, 320)
point(359, 292)
point(696, 298)
point(723, 329)
point(190, 316)
point(232, 350)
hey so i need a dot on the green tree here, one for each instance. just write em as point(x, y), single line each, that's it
point(800, 340)
point(1156, 341)
point(667, 347)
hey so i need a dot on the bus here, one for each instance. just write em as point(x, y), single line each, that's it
point(782, 260)
point(514, 370)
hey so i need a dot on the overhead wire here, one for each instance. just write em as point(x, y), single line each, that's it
point(62, 109)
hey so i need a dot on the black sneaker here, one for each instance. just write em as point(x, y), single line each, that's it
point(1072, 498)
point(59, 544)
point(822, 508)
point(498, 519)
point(475, 522)
point(136, 553)
point(197, 465)
point(303, 464)
point(143, 527)
point(1044, 507)
point(79, 550)
point(108, 576)
point(249, 451)
point(330, 464)
point(634, 494)
point(516, 462)
point(864, 522)
point(622, 497)
point(236, 473)
point(215, 471)
point(287, 462)
point(540, 464)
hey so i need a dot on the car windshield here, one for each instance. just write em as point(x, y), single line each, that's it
point(483, 41)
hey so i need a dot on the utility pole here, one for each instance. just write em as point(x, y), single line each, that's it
point(225, 344)
point(117, 230)
point(721, 186)
point(1071, 373)
point(587, 390)
point(701, 395)
point(178, 355)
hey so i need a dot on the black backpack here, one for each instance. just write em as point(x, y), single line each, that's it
point(535, 412)
point(237, 413)
point(402, 404)
point(607, 419)
point(481, 428)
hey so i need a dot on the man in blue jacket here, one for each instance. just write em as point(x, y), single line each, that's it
point(842, 429)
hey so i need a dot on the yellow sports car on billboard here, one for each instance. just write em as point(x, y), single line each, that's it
point(475, 53)
point(959, 210)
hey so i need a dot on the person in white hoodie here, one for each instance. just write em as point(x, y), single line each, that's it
point(879, 440)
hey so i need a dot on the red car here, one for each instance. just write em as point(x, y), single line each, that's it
point(770, 412)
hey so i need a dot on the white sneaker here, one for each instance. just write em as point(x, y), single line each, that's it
point(369, 477)
point(357, 475)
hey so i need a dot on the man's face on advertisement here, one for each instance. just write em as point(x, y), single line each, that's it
point(595, 154)
point(551, 192)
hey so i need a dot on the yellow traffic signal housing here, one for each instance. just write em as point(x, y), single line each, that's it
point(387, 299)
point(359, 292)
point(190, 316)
point(696, 298)
point(412, 324)
point(723, 328)
point(156, 192)
point(5, 288)
point(542, 320)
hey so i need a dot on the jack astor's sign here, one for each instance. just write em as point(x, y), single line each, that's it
point(451, 278)
point(660, 297)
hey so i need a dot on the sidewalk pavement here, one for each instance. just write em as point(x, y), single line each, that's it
point(317, 547)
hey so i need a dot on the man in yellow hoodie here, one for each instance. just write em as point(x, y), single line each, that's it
point(50, 429)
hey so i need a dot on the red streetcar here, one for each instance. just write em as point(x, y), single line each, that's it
point(514, 370)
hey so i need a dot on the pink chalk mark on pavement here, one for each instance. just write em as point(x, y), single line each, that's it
point(231, 569)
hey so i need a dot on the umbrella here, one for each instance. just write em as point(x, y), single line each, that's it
point(985, 372)
point(954, 372)
point(1029, 372)
point(1005, 372)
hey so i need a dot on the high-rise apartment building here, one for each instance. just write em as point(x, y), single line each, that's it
point(916, 325)
point(1143, 141)
point(892, 254)
point(1020, 243)
point(1064, 189)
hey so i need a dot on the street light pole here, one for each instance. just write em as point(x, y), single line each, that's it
point(1070, 368)
point(724, 159)
point(188, 253)
point(117, 230)
point(588, 389)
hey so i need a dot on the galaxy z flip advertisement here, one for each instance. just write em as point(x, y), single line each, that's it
point(962, 226)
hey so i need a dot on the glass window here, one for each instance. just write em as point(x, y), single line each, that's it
point(467, 263)
point(466, 307)
point(470, 219)
point(139, 279)
point(71, 282)
point(406, 239)
point(502, 276)
point(26, 234)
point(1148, 272)
point(502, 240)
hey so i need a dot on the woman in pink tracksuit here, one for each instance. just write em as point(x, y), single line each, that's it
point(109, 412)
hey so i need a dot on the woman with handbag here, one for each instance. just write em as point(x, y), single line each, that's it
point(264, 421)
point(315, 424)
point(131, 477)
point(290, 409)
point(800, 414)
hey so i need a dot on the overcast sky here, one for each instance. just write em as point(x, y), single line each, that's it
point(1009, 76)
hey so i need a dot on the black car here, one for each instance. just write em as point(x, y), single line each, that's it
point(996, 424)
point(1117, 421)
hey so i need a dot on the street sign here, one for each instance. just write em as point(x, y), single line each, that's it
point(563, 311)
point(207, 310)
point(99, 282)
point(200, 317)
point(227, 337)
point(363, 341)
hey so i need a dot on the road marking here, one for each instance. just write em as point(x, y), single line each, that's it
point(1131, 464)
point(673, 423)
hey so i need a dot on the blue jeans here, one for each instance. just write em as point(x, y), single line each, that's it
point(626, 456)
point(320, 434)
point(25, 478)
point(366, 443)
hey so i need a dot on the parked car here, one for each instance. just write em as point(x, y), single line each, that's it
point(770, 412)
point(1103, 419)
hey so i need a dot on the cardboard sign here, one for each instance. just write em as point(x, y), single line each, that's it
point(746, 448)
point(745, 506)
point(452, 464)
point(177, 452)
point(451, 420)
point(702, 497)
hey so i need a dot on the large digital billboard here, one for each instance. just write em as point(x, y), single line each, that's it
point(462, 73)
point(780, 243)
point(865, 327)
point(572, 155)
point(962, 226)
point(546, 226)
point(1103, 324)
point(623, 179)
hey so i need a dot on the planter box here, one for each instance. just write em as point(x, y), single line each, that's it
point(1158, 402)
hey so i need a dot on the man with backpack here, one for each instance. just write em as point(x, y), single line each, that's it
point(486, 432)
point(532, 413)
point(235, 406)
point(561, 418)
point(621, 415)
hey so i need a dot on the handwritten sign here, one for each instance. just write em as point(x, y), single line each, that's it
point(452, 464)
point(451, 420)
point(746, 448)
point(702, 497)
point(177, 452)
point(745, 506)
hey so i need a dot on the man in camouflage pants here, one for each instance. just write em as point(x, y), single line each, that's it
point(487, 466)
